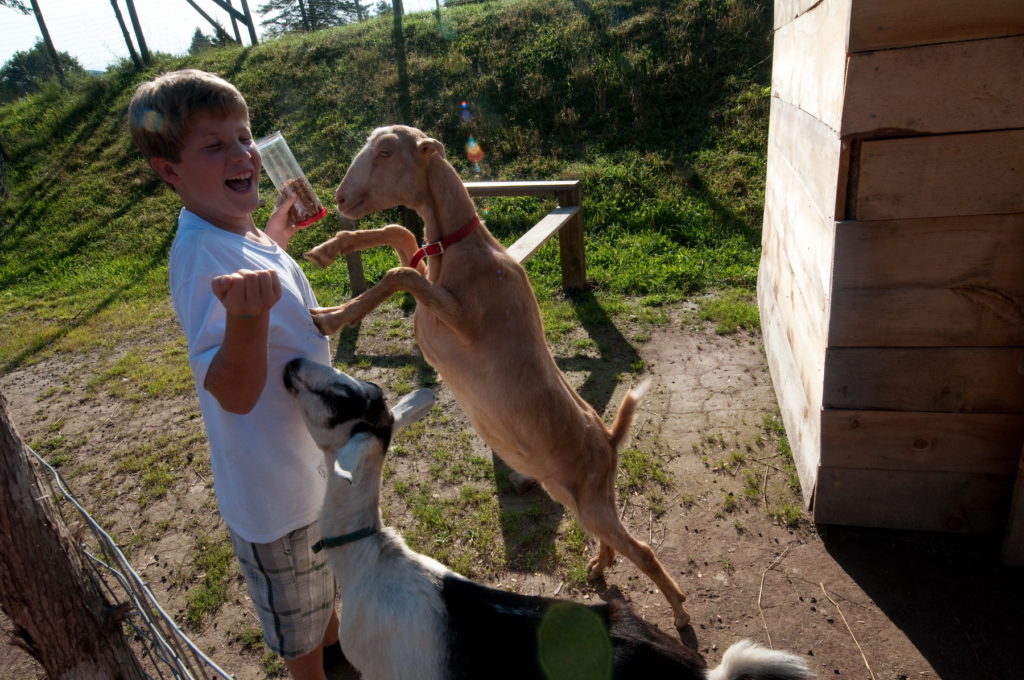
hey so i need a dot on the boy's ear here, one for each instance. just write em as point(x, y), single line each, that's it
point(165, 169)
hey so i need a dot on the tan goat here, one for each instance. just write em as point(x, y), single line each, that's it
point(478, 324)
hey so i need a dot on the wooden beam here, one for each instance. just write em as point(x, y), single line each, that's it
point(809, 61)
point(933, 282)
point(926, 501)
point(226, 6)
point(800, 410)
point(813, 152)
point(218, 29)
point(527, 244)
point(884, 24)
point(538, 188)
point(980, 443)
point(570, 240)
point(933, 379)
point(964, 174)
point(788, 10)
point(570, 229)
point(909, 90)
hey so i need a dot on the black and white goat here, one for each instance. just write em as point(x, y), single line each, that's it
point(406, 616)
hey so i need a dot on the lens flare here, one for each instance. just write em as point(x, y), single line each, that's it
point(153, 121)
point(474, 153)
point(573, 644)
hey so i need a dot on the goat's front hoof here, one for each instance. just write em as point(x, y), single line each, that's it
point(325, 321)
point(521, 483)
point(319, 257)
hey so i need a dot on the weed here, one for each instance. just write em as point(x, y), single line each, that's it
point(639, 468)
point(213, 563)
point(751, 485)
point(788, 514)
point(731, 311)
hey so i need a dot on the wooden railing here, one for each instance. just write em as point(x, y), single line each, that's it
point(566, 220)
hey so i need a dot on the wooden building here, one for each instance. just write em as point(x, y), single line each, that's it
point(891, 284)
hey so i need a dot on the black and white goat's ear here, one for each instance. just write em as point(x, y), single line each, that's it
point(349, 456)
point(412, 407)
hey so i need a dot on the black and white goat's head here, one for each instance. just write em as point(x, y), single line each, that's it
point(349, 419)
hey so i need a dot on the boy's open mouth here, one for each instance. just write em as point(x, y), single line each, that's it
point(240, 182)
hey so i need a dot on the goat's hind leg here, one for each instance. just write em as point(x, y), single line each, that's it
point(601, 521)
point(345, 242)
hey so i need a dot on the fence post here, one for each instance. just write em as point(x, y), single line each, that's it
point(570, 240)
point(354, 261)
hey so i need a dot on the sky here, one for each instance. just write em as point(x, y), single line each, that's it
point(88, 29)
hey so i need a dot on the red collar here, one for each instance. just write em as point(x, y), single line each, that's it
point(438, 247)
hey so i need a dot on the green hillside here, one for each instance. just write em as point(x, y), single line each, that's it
point(659, 108)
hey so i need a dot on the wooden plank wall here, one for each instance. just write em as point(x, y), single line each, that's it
point(895, 208)
point(802, 203)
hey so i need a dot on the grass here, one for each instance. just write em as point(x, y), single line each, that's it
point(730, 311)
point(213, 565)
point(669, 212)
point(660, 110)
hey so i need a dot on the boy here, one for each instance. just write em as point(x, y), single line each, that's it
point(243, 304)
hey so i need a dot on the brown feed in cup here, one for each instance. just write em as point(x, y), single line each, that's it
point(307, 205)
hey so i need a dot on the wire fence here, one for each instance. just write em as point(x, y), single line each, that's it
point(162, 647)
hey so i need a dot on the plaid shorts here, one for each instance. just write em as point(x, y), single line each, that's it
point(292, 589)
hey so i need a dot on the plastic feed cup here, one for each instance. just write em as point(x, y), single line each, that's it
point(285, 173)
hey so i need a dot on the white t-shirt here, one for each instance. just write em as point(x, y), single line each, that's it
point(268, 474)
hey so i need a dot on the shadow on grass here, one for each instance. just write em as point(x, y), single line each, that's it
point(84, 316)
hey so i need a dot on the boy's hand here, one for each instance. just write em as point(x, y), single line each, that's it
point(282, 223)
point(247, 294)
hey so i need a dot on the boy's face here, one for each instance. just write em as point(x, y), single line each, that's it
point(218, 175)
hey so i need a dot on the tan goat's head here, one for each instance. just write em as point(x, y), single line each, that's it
point(390, 170)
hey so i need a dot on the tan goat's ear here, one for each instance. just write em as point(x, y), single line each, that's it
point(428, 146)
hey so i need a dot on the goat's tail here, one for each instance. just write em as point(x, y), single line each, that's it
point(624, 417)
point(746, 659)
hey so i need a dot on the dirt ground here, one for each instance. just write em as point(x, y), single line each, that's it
point(858, 603)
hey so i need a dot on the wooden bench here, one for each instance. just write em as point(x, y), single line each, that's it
point(566, 220)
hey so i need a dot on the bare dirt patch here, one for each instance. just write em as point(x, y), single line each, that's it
point(859, 603)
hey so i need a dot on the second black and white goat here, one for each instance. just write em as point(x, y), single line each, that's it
point(406, 616)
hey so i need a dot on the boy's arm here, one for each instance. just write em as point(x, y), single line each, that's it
point(238, 371)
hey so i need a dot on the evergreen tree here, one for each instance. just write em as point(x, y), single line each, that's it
point(287, 16)
point(200, 42)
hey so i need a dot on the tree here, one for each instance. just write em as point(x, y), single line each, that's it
point(202, 42)
point(287, 16)
point(17, 5)
point(58, 612)
point(26, 72)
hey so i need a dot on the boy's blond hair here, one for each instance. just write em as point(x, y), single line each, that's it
point(162, 110)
